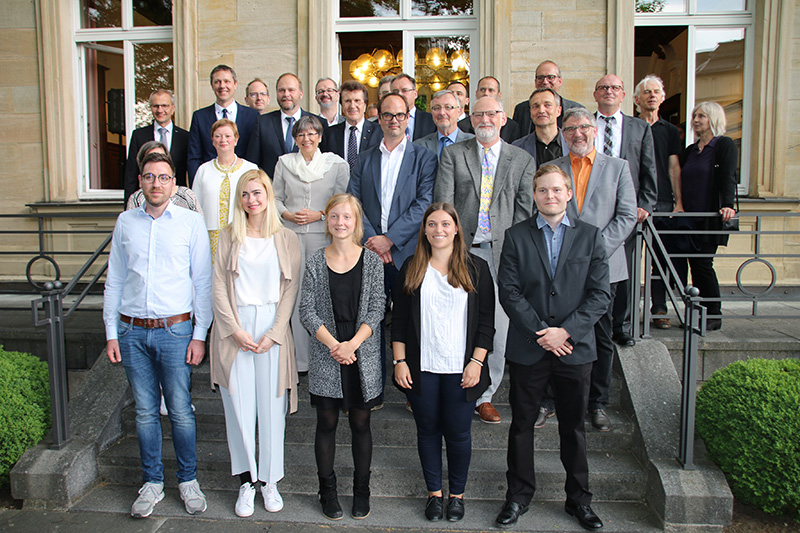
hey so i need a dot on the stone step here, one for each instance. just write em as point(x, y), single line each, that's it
point(396, 472)
point(544, 516)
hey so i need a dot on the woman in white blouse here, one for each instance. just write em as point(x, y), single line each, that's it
point(442, 330)
point(256, 280)
point(304, 181)
point(215, 181)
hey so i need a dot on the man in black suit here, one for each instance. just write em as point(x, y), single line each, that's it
point(420, 123)
point(224, 84)
point(162, 105)
point(489, 86)
point(272, 136)
point(355, 135)
point(553, 282)
point(548, 76)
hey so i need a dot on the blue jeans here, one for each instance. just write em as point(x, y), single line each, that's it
point(442, 410)
point(155, 360)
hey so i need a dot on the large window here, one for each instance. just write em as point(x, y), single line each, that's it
point(703, 50)
point(124, 52)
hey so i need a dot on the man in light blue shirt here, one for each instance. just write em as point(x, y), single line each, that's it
point(159, 274)
point(446, 109)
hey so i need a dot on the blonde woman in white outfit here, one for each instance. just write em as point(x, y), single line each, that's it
point(256, 279)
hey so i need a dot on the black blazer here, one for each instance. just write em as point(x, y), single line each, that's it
point(267, 141)
point(480, 323)
point(575, 298)
point(333, 140)
point(423, 124)
point(200, 147)
point(178, 150)
point(509, 133)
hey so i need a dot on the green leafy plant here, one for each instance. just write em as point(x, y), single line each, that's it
point(748, 413)
point(24, 406)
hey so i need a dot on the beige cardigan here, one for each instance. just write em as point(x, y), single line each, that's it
point(223, 348)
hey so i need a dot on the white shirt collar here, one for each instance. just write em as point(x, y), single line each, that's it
point(399, 149)
point(296, 116)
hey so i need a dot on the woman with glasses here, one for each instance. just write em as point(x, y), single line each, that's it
point(215, 182)
point(303, 183)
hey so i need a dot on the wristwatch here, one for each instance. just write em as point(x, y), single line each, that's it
point(322, 216)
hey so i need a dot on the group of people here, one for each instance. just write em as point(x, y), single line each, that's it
point(496, 243)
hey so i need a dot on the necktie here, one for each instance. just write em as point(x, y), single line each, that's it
point(162, 137)
point(608, 139)
point(444, 141)
point(408, 133)
point(224, 113)
point(352, 147)
point(288, 143)
point(484, 224)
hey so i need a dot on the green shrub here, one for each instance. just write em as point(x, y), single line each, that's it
point(749, 416)
point(24, 406)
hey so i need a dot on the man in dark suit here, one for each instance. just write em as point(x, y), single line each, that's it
point(629, 138)
point(420, 123)
point(548, 76)
point(224, 83)
point(553, 283)
point(162, 105)
point(272, 135)
point(356, 134)
point(545, 143)
point(489, 86)
point(445, 108)
point(490, 184)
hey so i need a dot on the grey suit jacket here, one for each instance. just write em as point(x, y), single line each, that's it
point(459, 182)
point(609, 204)
point(431, 142)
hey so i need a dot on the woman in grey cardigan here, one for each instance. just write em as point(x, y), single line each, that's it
point(341, 305)
point(303, 182)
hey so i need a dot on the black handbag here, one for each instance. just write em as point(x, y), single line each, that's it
point(733, 223)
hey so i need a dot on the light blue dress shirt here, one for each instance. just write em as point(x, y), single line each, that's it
point(553, 239)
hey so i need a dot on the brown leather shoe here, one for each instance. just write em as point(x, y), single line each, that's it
point(660, 321)
point(488, 413)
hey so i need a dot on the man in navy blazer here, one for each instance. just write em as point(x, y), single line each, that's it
point(224, 83)
point(342, 139)
point(272, 135)
point(553, 282)
point(162, 105)
point(420, 123)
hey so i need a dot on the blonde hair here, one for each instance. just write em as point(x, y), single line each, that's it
point(358, 214)
point(717, 120)
point(272, 221)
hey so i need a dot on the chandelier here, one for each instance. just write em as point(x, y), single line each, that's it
point(436, 70)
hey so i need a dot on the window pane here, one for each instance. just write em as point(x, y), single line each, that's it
point(105, 114)
point(364, 8)
point(661, 6)
point(153, 64)
point(716, 6)
point(439, 60)
point(152, 13)
point(661, 50)
point(440, 8)
point(369, 56)
point(101, 13)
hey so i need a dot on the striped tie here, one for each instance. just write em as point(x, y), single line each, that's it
point(352, 147)
point(484, 223)
point(608, 139)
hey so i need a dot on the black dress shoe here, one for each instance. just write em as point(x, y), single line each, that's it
point(510, 513)
point(713, 324)
point(623, 339)
point(544, 414)
point(434, 510)
point(455, 509)
point(586, 517)
point(600, 420)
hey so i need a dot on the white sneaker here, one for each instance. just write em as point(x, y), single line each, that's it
point(272, 498)
point(245, 504)
point(193, 498)
point(149, 495)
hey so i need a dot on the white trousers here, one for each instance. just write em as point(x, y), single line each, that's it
point(253, 397)
point(309, 243)
point(497, 359)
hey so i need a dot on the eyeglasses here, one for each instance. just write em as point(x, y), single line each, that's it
point(306, 134)
point(481, 114)
point(446, 107)
point(160, 106)
point(570, 130)
point(162, 178)
point(548, 77)
point(256, 95)
point(387, 117)
point(323, 91)
point(603, 88)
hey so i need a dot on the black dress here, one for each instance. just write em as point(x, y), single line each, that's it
point(345, 295)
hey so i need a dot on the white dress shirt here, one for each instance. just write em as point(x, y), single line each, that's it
point(359, 129)
point(443, 324)
point(616, 133)
point(259, 280)
point(390, 168)
point(232, 109)
point(158, 268)
point(157, 134)
point(494, 157)
point(285, 125)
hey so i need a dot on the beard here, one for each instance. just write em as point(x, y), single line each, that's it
point(486, 134)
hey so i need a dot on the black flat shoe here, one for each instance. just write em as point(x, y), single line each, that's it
point(623, 339)
point(510, 513)
point(455, 509)
point(434, 509)
point(586, 517)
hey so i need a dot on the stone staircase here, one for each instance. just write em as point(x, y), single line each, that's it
point(617, 479)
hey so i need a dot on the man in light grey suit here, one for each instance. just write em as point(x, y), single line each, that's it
point(446, 109)
point(490, 183)
point(604, 197)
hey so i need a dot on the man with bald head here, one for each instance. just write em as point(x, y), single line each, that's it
point(548, 76)
point(490, 86)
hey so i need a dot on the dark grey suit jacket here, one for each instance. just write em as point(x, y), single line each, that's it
point(333, 140)
point(574, 299)
point(423, 125)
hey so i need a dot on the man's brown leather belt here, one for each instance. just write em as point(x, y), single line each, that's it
point(156, 322)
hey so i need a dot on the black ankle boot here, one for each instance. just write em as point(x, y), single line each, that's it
point(329, 498)
point(360, 497)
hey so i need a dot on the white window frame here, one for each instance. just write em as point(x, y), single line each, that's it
point(129, 35)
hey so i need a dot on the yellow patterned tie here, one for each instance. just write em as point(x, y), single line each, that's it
point(224, 209)
point(484, 223)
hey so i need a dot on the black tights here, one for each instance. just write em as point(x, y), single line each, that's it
point(325, 440)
